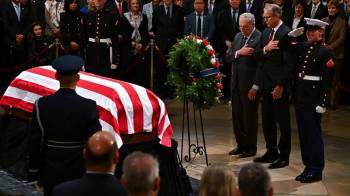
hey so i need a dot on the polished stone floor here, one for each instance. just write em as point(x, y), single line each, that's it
point(220, 140)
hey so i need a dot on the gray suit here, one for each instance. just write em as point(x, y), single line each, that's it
point(208, 25)
point(244, 111)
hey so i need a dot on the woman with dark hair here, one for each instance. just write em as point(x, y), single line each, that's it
point(70, 25)
point(135, 38)
point(335, 35)
point(39, 46)
point(297, 20)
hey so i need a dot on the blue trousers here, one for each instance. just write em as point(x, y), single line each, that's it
point(311, 142)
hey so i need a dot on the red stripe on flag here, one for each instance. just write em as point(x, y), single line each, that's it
point(19, 103)
point(43, 72)
point(137, 106)
point(106, 116)
point(100, 89)
point(166, 139)
point(156, 110)
point(32, 87)
point(114, 96)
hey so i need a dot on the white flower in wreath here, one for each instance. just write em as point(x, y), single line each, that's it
point(212, 60)
point(209, 47)
point(199, 41)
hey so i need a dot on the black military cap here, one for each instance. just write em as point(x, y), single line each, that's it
point(68, 64)
point(314, 24)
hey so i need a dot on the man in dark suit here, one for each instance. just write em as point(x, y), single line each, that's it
point(167, 25)
point(255, 7)
point(227, 26)
point(287, 9)
point(226, 29)
point(274, 75)
point(118, 7)
point(101, 156)
point(16, 26)
point(212, 7)
point(316, 10)
point(199, 23)
point(245, 64)
point(62, 122)
point(39, 11)
point(343, 12)
point(1, 43)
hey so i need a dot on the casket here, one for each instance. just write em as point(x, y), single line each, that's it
point(125, 109)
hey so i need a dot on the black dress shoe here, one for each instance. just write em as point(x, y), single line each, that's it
point(236, 151)
point(301, 176)
point(279, 163)
point(268, 157)
point(246, 154)
point(308, 178)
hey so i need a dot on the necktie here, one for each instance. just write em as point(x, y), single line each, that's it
point(18, 11)
point(120, 8)
point(210, 8)
point(243, 41)
point(313, 11)
point(199, 26)
point(168, 11)
point(271, 34)
point(234, 19)
point(249, 5)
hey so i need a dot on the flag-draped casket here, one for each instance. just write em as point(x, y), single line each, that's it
point(124, 108)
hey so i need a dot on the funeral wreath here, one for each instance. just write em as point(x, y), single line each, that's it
point(194, 72)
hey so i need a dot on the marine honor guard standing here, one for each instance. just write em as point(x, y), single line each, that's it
point(313, 67)
point(100, 29)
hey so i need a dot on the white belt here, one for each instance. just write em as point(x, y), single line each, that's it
point(97, 40)
point(108, 41)
point(312, 78)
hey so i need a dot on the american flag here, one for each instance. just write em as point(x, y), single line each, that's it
point(124, 108)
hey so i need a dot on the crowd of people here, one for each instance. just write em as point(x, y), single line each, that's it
point(112, 35)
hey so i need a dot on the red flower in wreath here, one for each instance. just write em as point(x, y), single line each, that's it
point(205, 42)
point(197, 37)
point(216, 64)
point(220, 86)
point(211, 52)
point(218, 77)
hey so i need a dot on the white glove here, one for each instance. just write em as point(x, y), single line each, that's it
point(296, 32)
point(114, 66)
point(320, 109)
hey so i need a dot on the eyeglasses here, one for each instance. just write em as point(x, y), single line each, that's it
point(267, 17)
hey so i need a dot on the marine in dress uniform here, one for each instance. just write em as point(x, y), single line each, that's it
point(314, 67)
point(100, 40)
point(62, 123)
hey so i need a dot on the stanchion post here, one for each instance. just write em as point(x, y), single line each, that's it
point(152, 64)
point(57, 45)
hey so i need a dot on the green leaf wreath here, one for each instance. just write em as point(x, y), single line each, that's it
point(194, 72)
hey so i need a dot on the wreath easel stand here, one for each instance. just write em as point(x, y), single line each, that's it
point(197, 79)
point(196, 148)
